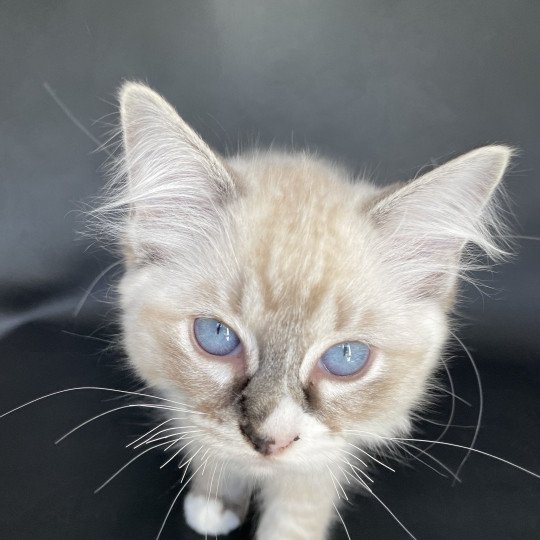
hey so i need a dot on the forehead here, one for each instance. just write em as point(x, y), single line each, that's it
point(303, 242)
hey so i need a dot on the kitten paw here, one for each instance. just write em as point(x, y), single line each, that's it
point(209, 516)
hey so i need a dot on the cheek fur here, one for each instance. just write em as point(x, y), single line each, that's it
point(165, 356)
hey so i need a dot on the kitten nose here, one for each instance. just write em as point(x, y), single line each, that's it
point(281, 444)
point(264, 445)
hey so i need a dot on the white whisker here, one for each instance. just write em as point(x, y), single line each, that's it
point(480, 404)
point(450, 418)
point(193, 437)
point(417, 458)
point(98, 489)
point(96, 388)
point(444, 443)
point(150, 431)
point(394, 516)
point(455, 396)
point(208, 496)
point(338, 482)
point(174, 502)
point(359, 469)
point(355, 475)
point(342, 521)
point(192, 458)
point(97, 416)
point(335, 487)
point(90, 288)
point(437, 461)
point(181, 438)
point(176, 431)
point(373, 458)
point(204, 468)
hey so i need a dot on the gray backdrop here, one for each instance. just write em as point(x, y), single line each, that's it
point(385, 86)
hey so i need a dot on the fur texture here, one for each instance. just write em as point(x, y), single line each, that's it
point(295, 255)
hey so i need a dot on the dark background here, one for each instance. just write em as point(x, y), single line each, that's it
point(384, 86)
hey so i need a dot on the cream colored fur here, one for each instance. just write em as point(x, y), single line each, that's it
point(295, 255)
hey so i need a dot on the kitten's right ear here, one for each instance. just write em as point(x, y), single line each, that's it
point(175, 186)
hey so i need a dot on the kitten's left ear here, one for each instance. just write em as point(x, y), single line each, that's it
point(176, 186)
point(427, 223)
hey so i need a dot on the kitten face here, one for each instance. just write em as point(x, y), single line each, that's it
point(294, 257)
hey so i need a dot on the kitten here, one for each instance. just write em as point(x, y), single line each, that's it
point(290, 308)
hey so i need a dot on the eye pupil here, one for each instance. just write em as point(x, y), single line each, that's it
point(345, 359)
point(215, 337)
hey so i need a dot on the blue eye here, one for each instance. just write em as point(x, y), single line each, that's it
point(215, 337)
point(345, 358)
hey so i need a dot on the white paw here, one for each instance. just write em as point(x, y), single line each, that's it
point(208, 516)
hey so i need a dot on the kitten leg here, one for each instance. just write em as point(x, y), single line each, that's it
point(296, 507)
point(217, 502)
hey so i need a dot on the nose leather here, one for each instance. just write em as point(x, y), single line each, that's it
point(263, 445)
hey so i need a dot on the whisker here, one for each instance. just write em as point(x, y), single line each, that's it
point(190, 441)
point(373, 458)
point(187, 459)
point(355, 475)
point(180, 435)
point(338, 482)
point(208, 496)
point(204, 468)
point(477, 451)
point(342, 521)
point(355, 457)
point(437, 461)
point(353, 467)
point(177, 431)
point(174, 502)
point(96, 388)
point(183, 437)
point(453, 445)
point(98, 489)
point(452, 409)
point(394, 516)
point(416, 456)
point(359, 469)
point(151, 430)
point(100, 415)
point(480, 404)
point(187, 464)
point(72, 117)
point(335, 487)
point(450, 393)
point(343, 471)
point(94, 338)
point(456, 426)
point(90, 288)
point(219, 478)
point(357, 478)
